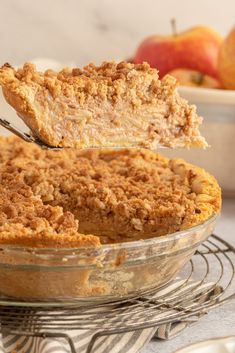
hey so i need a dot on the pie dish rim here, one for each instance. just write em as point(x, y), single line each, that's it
point(115, 246)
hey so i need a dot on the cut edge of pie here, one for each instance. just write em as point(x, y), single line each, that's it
point(110, 105)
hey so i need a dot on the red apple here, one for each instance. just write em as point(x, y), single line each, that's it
point(194, 78)
point(226, 61)
point(195, 49)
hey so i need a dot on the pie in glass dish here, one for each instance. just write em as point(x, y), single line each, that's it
point(110, 105)
point(87, 222)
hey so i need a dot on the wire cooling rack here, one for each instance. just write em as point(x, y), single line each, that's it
point(206, 282)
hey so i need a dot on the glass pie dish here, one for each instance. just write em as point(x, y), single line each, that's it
point(87, 275)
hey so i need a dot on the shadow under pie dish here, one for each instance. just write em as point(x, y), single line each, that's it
point(83, 224)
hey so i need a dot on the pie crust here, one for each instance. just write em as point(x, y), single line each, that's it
point(102, 106)
point(74, 198)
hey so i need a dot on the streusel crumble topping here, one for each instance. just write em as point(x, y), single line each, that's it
point(78, 198)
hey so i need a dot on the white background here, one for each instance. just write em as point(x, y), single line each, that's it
point(81, 31)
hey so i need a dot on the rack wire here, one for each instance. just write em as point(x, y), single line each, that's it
point(206, 282)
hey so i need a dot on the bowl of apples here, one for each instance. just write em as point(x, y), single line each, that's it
point(203, 63)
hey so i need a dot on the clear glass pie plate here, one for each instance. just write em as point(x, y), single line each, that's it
point(91, 275)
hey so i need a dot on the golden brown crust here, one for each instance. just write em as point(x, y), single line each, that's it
point(55, 198)
point(114, 104)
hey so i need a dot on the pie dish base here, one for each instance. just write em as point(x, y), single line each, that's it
point(88, 275)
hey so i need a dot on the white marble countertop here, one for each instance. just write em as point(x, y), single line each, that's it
point(219, 322)
point(90, 30)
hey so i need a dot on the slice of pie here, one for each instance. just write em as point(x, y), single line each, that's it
point(110, 105)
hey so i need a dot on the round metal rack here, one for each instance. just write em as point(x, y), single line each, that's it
point(206, 282)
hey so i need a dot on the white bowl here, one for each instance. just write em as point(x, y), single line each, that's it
point(217, 345)
point(217, 107)
point(208, 95)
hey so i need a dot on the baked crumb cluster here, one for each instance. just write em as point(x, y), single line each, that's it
point(75, 198)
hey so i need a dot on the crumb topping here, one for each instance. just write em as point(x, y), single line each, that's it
point(105, 82)
point(114, 195)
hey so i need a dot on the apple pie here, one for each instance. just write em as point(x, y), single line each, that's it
point(109, 105)
point(76, 198)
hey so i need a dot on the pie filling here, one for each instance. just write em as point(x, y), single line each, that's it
point(74, 198)
point(110, 105)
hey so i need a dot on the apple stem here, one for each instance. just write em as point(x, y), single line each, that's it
point(198, 78)
point(173, 27)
